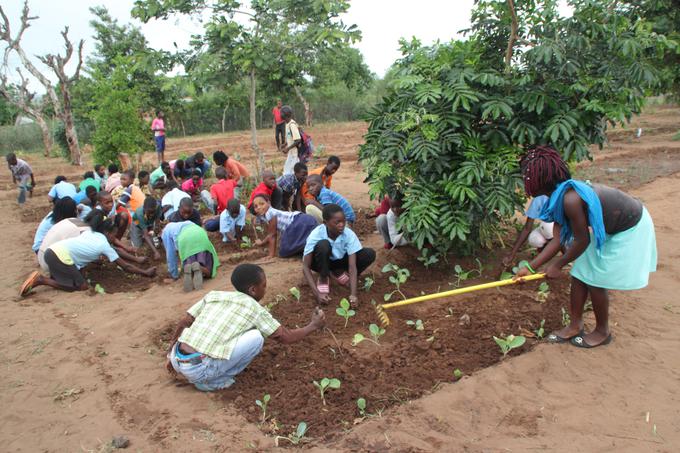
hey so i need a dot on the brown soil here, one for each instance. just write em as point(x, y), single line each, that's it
point(91, 371)
point(113, 279)
point(407, 363)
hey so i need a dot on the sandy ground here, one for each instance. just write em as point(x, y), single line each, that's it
point(78, 369)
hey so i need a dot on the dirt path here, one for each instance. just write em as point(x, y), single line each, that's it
point(79, 369)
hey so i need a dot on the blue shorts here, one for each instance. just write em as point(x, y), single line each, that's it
point(160, 143)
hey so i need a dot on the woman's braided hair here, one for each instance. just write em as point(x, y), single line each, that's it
point(542, 170)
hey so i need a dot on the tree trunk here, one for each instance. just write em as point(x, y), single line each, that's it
point(46, 135)
point(253, 122)
point(181, 123)
point(224, 116)
point(308, 108)
point(70, 127)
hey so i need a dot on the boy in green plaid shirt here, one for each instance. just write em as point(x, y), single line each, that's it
point(223, 332)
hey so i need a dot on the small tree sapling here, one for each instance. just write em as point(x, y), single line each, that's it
point(566, 319)
point(399, 278)
point(325, 384)
point(361, 405)
point(296, 436)
point(345, 311)
point(543, 292)
point(246, 243)
point(295, 292)
point(509, 343)
point(541, 330)
point(417, 324)
point(375, 331)
point(263, 406)
point(457, 374)
point(368, 283)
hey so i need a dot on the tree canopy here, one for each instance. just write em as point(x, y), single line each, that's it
point(457, 116)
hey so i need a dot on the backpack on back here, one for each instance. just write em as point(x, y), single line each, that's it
point(306, 146)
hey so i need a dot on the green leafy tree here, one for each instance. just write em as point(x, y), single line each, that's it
point(457, 116)
point(255, 46)
point(117, 115)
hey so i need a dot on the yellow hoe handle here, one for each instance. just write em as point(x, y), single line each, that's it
point(468, 289)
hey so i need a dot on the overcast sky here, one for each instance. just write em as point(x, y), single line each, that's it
point(382, 23)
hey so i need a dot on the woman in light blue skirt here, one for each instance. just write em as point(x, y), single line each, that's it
point(608, 234)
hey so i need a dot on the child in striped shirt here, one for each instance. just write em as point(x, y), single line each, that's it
point(324, 196)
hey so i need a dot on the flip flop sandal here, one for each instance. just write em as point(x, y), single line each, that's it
point(579, 342)
point(553, 338)
point(197, 276)
point(323, 288)
point(28, 283)
point(342, 279)
point(187, 283)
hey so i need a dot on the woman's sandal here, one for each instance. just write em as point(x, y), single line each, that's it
point(28, 283)
point(342, 279)
point(553, 338)
point(579, 342)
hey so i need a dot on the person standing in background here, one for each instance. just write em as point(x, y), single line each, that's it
point(21, 175)
point(279, 124)
point(158, 128)
point(292, 141)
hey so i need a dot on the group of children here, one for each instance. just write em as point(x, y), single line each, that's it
point(608, 235)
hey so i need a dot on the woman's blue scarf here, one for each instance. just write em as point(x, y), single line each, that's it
point(553, 211)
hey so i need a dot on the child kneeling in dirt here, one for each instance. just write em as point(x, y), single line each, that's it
point(223, 332)
point(196, 252)
point(232, 221)
point(322, 197)
point(334, 250)
point(293, 228)
point(65, 258)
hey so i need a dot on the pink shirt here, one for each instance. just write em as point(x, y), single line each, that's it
point(158, 126)
point(189, 187)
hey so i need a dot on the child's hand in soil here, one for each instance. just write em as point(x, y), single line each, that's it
point(150, 272)
point(142, 259)
point(168, 366)
point(259, 242)
point(156, 255)
point(353, 301)
point(508, 260)
point(323, 299)
point(318, 318)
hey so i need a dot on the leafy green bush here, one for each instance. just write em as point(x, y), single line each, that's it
point(26, 137)
point(119, 127)
point(456, 117)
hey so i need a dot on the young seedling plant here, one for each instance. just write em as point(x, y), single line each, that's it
point(361, 405)
point(375, 331)
point(543, 292)
point(325, 384)
point(368, 283)
point(262, 404)
point(427, 259)
point(462, 275)
point(509, 343)
point(345, 311)
point(295, 292)
point(398, 278)
point(541, 330)
point(246, 243)
point(417, 324)
point(296, 436)
point(566, 319)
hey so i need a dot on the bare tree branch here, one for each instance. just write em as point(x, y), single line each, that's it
point(513, 34)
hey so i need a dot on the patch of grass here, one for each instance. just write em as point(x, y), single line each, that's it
point(676, 137)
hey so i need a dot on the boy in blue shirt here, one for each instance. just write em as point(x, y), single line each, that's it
point(334, 250)
point(61, 189)
point(232, 221)
point(323, 197)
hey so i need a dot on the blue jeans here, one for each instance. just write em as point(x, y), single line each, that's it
point(215, 374)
